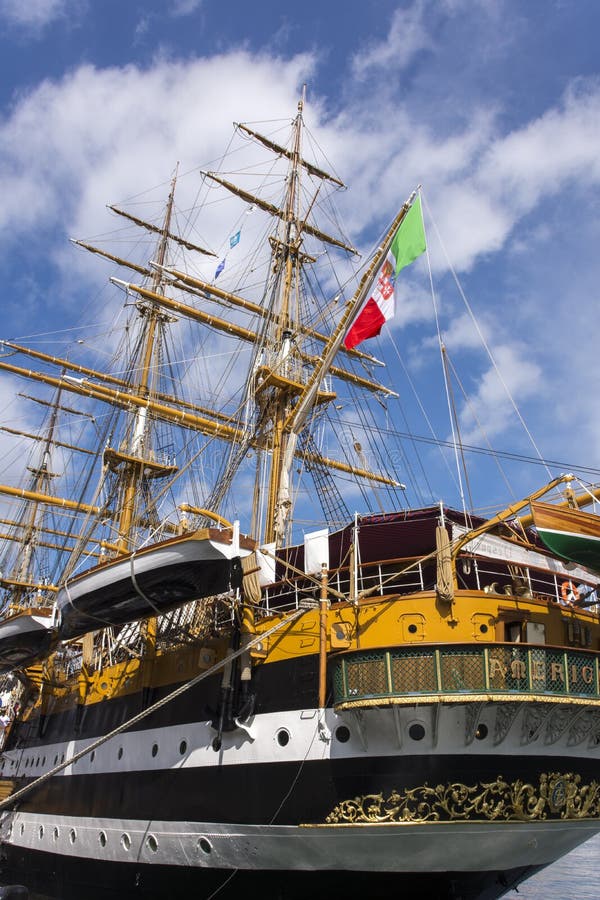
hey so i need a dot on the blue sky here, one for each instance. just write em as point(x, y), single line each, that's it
point(492, 105)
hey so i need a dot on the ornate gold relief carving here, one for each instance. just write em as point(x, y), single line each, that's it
point(557, 796)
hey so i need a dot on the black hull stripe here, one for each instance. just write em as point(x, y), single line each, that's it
point(69, 878)
point(287, 685)
point(260, 794)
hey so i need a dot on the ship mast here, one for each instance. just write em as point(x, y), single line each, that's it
point(22, 578)
point(277, 384)
point(287, 252)
point(136, 462)
point(277, 387)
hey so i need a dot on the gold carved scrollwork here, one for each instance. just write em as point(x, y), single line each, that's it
point(557, 796)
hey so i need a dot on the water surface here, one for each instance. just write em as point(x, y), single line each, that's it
point(574, 877)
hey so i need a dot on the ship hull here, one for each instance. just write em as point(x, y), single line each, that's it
point(71, 877)
point(297, 799)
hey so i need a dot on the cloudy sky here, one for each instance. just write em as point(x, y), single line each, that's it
point(493, 106)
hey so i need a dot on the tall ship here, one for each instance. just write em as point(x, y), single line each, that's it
point(235, 654)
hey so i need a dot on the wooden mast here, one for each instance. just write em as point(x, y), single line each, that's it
point(278, 499)
point(22, 578)
point(134, 462)
point(276, 387)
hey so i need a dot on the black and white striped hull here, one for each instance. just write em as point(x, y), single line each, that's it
point(276, 802)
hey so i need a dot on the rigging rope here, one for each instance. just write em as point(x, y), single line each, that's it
point(445, 374)
point(484, 342)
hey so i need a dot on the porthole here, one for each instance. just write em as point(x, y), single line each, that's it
point(120, 753)
point(482, 731)
point(283, 737)
point(152, 843)
point(154, 749)
point(125, 841)
point(183, 747)
point(412, 628)
point(416, 731)
point(22, 829)
point(56, 760)
point(342, 733)
point(102, 838)
point(205, 845)
point(37, 762)
point(55, 833)
point(72, 835)
point(92, 756)
point(41, 832)
point(483, 629)
point(43, 761)
point(62, 759)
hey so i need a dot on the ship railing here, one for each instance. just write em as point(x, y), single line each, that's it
point(452, 672)
point(407, 575)
point(527, 581)
point(379, 577)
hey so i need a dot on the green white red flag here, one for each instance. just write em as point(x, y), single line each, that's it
point(408, 243)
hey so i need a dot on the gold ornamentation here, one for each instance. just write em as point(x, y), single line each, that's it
point(557, 796)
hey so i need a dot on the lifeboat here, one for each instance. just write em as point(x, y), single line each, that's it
point(152, 580)
point(25, 637)
point(569, 533)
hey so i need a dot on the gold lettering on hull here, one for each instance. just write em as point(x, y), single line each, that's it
point(557, 672)
point(556, 796)
point(538, 670)
point(552, 673)
point(518, 669)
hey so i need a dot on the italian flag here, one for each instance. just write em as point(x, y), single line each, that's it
point(407, 244)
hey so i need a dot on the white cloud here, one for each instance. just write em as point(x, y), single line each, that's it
point(517, 171)
point(560, 146)
point(185, 7)
point(408, 35)
point(461, 334)
point(35, 14)
point(142, 28)
point(96, 136)
point(69, 147)
point(491, 408)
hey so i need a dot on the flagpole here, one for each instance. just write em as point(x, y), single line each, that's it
point(298, 417)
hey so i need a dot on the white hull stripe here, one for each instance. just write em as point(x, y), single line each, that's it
point(297, 736)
